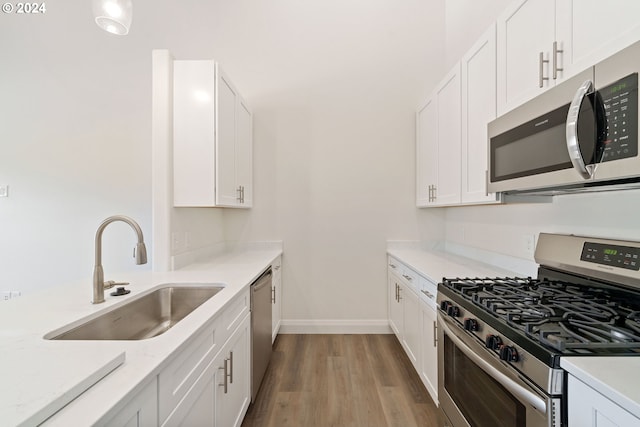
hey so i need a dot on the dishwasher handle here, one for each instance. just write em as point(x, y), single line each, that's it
point(262, 281)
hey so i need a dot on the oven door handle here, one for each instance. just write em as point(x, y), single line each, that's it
point(522, 393)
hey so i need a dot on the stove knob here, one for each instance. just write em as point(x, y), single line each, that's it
point(444, 305)
point(508, 353)
point(493, 342)
point(470, 324)
point(453, 311)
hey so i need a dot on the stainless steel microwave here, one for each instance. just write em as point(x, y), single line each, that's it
point(581, 135)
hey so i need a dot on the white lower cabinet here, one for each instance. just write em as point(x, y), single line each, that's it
point(140, 411)
point(589, 408)
point(412, 332)
point(276, 298)
point(207, 383)
point(429, 362)
point(396, 317)
point(233, 393)
point(413, 320)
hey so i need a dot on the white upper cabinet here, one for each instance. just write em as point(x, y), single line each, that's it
point(542, 42)
point(478, 108)
point(438, 145)
point(526, 32)
point(447, 189)
point(593, 30)
point(212, 138)
point(426, 151)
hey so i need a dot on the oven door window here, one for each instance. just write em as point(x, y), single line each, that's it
point(482, 400)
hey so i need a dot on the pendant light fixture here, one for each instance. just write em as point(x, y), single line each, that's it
point(113, 16)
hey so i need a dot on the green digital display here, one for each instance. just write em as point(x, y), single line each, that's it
point(618, 88)
point(609, 251)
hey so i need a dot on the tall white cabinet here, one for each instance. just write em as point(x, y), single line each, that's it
point(212, 138)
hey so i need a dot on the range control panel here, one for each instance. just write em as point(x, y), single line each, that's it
point(621, 108)
point(616, 256)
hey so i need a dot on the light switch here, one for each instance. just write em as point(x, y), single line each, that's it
point(4, 191)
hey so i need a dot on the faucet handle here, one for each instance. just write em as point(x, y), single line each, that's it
point(108, 284)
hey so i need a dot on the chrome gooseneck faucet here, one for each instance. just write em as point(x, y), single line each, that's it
point(140, 253)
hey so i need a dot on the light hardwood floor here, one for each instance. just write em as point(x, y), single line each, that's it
point(341, 381)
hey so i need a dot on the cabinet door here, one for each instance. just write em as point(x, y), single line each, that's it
point(478, 109)
point(244, 153)
point(525, 29)
point(194, 133)
point(141, 411)
point(449, 130)
point(429, 365)
point(412, 332)
point(590, 31)
point(588, 408)
point(227, 193)
point(426, 151)
point(196, 408)
point(276, 299)
point(395, 306)
point(231, 404)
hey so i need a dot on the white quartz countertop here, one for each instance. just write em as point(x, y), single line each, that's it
point(40, 376)
point(435, 264)
point(617, 378)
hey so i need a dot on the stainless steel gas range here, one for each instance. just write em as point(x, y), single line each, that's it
point(501, 339)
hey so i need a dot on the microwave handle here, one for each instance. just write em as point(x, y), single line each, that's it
point(573, 145)
point(521, 392)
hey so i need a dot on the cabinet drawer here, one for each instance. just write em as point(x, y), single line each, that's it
point(395, 265)
point(411, 278)
point(181, 374)
point(234, 314)
point(276, 266)
point(428, 291)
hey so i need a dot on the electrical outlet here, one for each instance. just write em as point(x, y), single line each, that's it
point(4, 191)
point(529, 241)
point(7, 295)
point(177, 241)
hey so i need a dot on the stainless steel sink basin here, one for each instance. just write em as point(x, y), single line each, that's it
point(145, 317)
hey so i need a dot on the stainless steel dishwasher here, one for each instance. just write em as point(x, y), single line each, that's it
point(260, 329)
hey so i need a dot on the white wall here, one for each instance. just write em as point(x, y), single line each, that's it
point(503, 228)
point(333, 86)
point(334, 148)
point(466, 20)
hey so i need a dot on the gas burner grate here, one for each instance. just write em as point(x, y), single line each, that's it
point(565, 316)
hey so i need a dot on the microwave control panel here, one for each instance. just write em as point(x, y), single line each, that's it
point(621, 109)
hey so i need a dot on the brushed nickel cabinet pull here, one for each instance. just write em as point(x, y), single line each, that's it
point(231, 367)
point(556, 51)
point(225, 385)
point(541, 62)
point(435, 334)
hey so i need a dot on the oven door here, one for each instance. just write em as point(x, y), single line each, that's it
point(475, 388)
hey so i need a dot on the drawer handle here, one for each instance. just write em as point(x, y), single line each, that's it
point(427, 293)
point(231, 367)
point(409, 278)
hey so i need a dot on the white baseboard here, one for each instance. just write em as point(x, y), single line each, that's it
point(326, 326)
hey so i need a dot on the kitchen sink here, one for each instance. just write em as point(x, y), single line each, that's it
point(145, 317)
